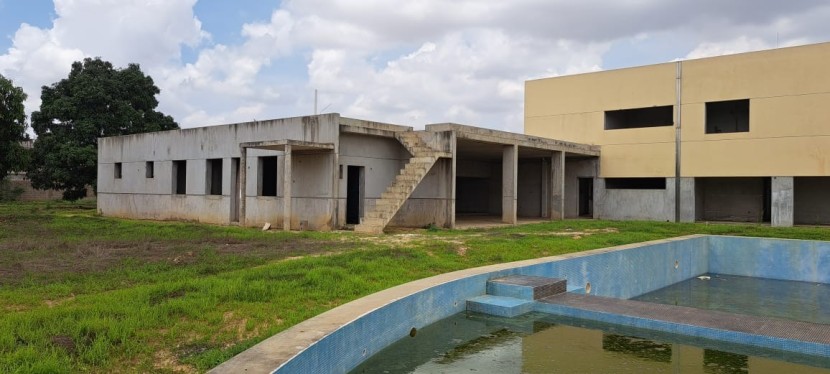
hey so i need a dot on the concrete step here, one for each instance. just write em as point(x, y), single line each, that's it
point(526, 287)
point(417, 170)
point(424, 160)
point(501, 306)
point(407, 177)
point(393, 195)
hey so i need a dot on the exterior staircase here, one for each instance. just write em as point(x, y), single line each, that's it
point(423, 158)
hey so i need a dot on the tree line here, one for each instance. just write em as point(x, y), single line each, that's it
point(96, 100)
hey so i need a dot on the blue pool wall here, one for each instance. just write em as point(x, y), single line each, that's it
point(620, 272)
point(785, 259)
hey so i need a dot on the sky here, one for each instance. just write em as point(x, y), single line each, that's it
point(409, 62)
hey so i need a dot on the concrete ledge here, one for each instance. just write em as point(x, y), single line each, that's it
point(526, 287)
point(501, 306)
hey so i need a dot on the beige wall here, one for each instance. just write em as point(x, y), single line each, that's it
point(573, 108)
point(789, 93)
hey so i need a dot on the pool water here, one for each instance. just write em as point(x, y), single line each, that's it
point(801, 301)
point(541, 343)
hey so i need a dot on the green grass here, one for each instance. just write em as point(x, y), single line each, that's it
point(80, 292)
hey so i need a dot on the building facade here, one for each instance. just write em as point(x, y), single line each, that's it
point(325, 172)
point(743, 137)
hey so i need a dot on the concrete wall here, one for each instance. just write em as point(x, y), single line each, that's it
point(30, 194)
point(136, 196)
point(634, 204)
point(812, 202)
point(382, 159)
point(486, 199)
point(572, 108)
point(788, 131)
point(575, 169)
point(429, 203)
point(788, 91)
point(731, 199)
point(530, 187)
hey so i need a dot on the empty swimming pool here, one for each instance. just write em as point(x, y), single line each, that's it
point(595, 287)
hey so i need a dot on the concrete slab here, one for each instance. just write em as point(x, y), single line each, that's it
point(502, 306)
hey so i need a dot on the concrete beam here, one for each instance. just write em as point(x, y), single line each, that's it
point(286, 190)
point(503, 137)
point(360, 126)
point(557, 183)
point(509, 183)
point(783, 198)
point(297, 145)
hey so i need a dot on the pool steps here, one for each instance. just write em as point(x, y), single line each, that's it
point(514, 295)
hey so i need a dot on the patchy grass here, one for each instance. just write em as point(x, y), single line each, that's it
point(80, 292)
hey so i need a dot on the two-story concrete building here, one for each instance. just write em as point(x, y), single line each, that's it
point(744, 137)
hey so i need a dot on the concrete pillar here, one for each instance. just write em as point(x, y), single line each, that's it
point(243, 183)
point(451, 185)
point(286, 190)
point(782, 203)
point(509, 183)
point(688, 204)
point(557, 186)
point(334, 222)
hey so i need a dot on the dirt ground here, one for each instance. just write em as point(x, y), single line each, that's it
point(20, 259)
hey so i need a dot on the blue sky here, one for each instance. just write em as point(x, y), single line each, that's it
point(402, 61)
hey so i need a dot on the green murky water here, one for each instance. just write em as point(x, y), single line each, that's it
point(540, 343)
point(801, 301)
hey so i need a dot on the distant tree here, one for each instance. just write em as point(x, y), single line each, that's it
point(12, 127)
point(96, 100)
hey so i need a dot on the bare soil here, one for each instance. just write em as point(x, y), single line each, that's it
point(22, 259)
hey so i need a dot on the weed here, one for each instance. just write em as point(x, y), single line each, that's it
point(80, 292)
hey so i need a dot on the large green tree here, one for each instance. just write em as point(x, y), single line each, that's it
point(96, 100)
point(12, 127)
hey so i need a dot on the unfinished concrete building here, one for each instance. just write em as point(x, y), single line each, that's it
point(744, 137)
point(326, 171)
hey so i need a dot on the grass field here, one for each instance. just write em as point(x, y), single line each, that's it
point(80, 292)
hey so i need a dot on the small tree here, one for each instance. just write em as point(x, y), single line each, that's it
point(12, 127)
point(96, 100)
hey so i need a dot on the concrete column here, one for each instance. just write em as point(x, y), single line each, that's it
point(451, 185)
point(286, 190)
point(557, 186)
point(509, 183)
point(688, 205)
point(783, 196)
point(335, 190)
point(243, 183)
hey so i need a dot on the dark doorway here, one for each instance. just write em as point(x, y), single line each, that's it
point(235, 189)
point(586, 197)
point(767, 200)
point(180, 177)
point(354, 194)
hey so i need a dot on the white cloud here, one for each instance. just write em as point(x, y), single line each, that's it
point(406, 61)
point(149, 32)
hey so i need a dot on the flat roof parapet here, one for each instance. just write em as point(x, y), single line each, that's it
point(498, 136)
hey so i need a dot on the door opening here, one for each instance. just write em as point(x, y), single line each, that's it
point(586, 197)
point(354, 194)
point(235, 189)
